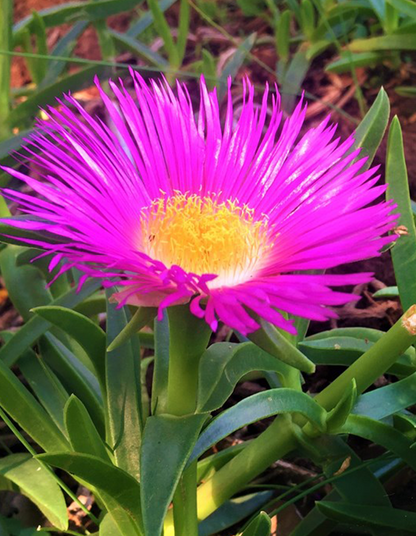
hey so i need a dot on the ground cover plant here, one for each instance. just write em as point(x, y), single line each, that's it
point(182, 350)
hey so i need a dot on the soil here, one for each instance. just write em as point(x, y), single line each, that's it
point(339, 91)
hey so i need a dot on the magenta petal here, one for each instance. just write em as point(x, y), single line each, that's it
point(319, 208)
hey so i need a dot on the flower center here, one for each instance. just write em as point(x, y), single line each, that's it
point(202, 235)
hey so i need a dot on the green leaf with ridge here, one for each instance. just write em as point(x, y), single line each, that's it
point(119, 491)
point(385, 42)
point(167, 443)
point(38, 485)
point(260, 526)
point(269, 339)
point(82, 433)
point(382, 434)
point(255, 408)
point(22, 406)
point(370, 131)
point(404, 6)
point(233, 511)
point(404, 250)
point(124, 411)
point(36, 326)
point(398, 521)
point(385, 401)
point(348, 61)
point(223, 364)
point(83, 330)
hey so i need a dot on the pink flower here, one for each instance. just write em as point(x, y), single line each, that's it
point(228, 218)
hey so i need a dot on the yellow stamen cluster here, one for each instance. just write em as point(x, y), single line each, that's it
point(201, 235)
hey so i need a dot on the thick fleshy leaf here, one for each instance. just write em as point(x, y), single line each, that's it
point(223, 364)
point(370, 131)
point(36, 326)
point(75, 377)
point(269, 339)
point(108, 527)
point(83, 330)
point(232, 512)
point(387, 292)
point(386, 401)
point(46, 386)
point(398, 521)
point(348, 61)
point(38, 484)
point(161, 371)
point(339, 350)
point(260, 526)
point(30, 257)
point(379, 7)
point(22, 406)
point(125, 420)
point(25, 284)
point(142, 317)
point(404, 251)
point(167, 443)
point(338, 415)
point(385, 42)
point(82, 433)
point(256, 407)
point(404, 6)
point(119, 491)
point(383, 435)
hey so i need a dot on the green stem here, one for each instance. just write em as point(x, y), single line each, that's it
point(184, 503)
point(188, 339)
point(279, 439)
point(270, 446)
point(373, 363)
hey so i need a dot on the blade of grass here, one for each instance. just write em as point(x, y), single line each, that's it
point(48, 95)
point(146, 20)
point(6, 9)
point(64, 47)
point(163, 29)
point(183, 29)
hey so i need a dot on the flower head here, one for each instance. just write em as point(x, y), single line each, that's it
point(229, 217)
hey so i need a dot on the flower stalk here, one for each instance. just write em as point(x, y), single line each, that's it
point(188, 339)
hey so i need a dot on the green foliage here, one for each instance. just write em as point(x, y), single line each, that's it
point(160, 434)
point(80, 393)
point(37, 484)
